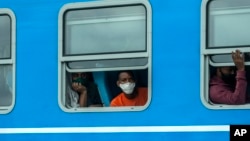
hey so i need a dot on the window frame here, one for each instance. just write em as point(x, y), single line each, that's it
point(206, 62)
point(63, 60)
point(12, 60)
point(103, 20)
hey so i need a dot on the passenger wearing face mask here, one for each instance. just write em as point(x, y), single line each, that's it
point(131, 95)
point(228, 86)
point(83, 92)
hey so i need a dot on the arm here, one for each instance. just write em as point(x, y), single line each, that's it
point(82, 90)
point(223, 95)
point(83, 99)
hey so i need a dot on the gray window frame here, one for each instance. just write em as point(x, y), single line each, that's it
point(63, 60)
point(206, 62)
point(12, 60)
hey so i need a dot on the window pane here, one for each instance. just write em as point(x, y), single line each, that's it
point(5, 34)
point(5, 85)
point(105, 30)
point(105, 89)
point(108, 63)
point(228, 23)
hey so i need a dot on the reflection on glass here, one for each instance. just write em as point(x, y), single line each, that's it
point(5, 85)
point(105, 30)
point(229, 22)
point(5, 36)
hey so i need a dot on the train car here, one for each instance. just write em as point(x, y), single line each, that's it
point(171, 48)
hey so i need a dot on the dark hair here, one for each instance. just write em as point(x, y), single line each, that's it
point(126, 71)
point(88, 75)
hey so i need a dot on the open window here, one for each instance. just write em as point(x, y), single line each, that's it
point(7, 60)
point(224, 28)
point(102, 38)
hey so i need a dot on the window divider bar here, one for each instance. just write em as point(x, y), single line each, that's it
point(105, 69)
point(6, 61)
point(224, 50)
point(103, 57)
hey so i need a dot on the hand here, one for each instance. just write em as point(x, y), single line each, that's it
point(79, 87)
point(238, 59)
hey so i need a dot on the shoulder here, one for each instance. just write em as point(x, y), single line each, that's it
point(216, 80)
point(116, 100)
point(118, 96)
point(142, 90)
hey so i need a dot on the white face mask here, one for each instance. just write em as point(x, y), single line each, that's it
point(128, 87)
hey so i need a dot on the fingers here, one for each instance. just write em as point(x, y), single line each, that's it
point(238, 58)
point(75, 86)
point(237, 55)
point(78, 87)
point(233, 55)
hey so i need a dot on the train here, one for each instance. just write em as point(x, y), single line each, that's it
point(171, 46)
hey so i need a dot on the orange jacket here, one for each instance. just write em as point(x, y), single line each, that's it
point(139, 100)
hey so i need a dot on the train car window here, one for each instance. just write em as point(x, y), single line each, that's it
point(87, 31)
point(228, 23)
point(224, 28)
point(98, 40)
point(7, 60)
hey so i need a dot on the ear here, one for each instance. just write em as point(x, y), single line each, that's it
point(118, 83)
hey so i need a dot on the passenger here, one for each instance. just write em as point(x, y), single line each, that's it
point(84, 93)
point(131, 95)
point(226, 87)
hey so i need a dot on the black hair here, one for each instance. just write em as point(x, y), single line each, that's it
point(126, 71)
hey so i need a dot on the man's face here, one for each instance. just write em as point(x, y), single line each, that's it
point(126, 83)
point(227, 70)
point(125, 77)
point(227, 75)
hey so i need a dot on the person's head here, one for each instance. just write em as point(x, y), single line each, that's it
point(227, 74)
point(126, 82)
point(79, 77)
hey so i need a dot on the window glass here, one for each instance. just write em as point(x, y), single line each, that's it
point(5, 34)
point(228, 23)
point(7, 60)
point(5, 85)
point(105, 30)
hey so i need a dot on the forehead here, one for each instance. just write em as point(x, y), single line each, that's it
point(227, 68)
point(124, 75)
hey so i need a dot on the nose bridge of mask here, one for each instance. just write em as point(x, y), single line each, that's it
point(127, 85)
point(78, 80)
